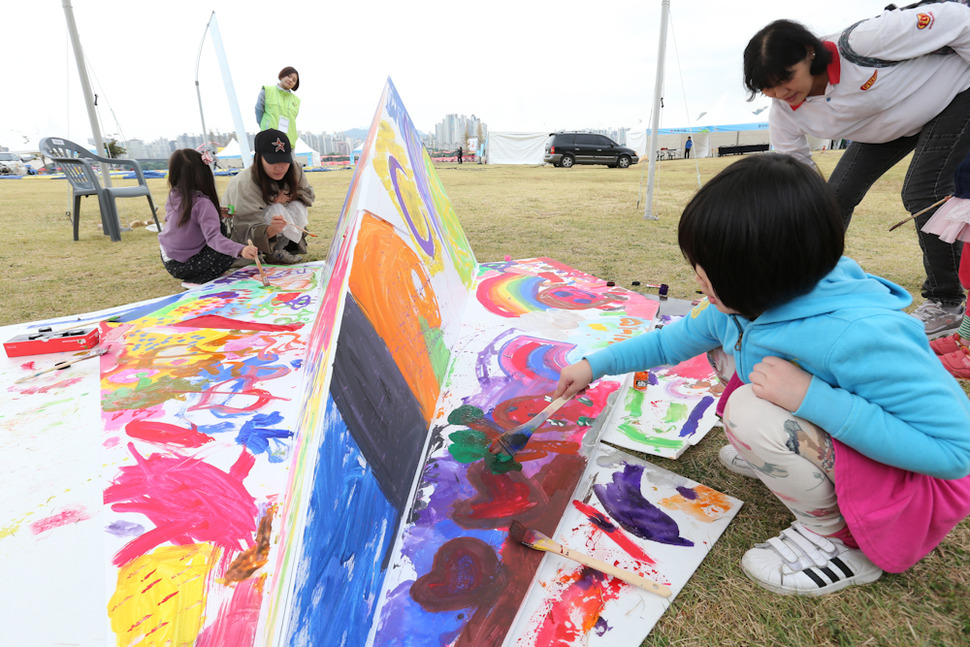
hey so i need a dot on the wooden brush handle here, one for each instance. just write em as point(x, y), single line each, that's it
point(615, 571)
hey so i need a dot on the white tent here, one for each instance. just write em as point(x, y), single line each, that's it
point(304, 154)
point(230, 156)
point(515, 148)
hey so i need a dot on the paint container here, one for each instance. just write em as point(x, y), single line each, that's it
point(641, 380)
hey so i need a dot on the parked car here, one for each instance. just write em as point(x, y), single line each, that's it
point(10, 164)
point(566, 149)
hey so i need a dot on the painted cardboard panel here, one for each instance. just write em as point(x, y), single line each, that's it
point(639, 517)
point(676, 410)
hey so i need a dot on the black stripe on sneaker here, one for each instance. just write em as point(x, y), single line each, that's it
point(842, 566)
point(829, 574)
point(815, 578)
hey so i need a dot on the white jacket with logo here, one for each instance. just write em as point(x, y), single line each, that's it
point(877, 104)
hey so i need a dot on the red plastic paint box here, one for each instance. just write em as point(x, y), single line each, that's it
point(46, 340)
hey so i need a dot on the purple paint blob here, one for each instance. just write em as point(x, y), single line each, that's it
point(624, 502)
point(694, 419)
point(125, 529)
point(686, 492)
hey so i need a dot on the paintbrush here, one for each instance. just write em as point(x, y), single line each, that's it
point(60, 366)
point(301, 229)
point(513, 440)
point(259, 266)
point(538, 541)
point(920, 213)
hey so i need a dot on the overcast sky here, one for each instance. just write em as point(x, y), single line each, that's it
point(519, 65)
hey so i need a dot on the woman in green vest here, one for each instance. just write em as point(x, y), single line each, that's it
point(277, 106)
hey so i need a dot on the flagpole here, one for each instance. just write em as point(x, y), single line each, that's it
point(655, 123)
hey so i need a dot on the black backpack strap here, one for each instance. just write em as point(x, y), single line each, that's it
point(871, 61)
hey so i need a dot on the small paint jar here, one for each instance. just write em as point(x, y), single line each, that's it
point(641, 380)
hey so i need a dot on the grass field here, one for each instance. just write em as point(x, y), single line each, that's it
point(589, 218)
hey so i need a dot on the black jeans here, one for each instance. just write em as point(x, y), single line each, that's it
point(939, 148)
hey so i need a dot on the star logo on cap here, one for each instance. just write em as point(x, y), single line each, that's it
point(280, 146)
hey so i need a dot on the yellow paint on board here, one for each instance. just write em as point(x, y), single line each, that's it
point(160, 597)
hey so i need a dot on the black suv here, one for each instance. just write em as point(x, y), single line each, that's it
point(566, 149)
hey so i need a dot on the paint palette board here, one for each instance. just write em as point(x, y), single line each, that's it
point(674, 413)
point(640, 517)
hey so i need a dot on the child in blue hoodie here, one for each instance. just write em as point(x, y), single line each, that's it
point(843, 411)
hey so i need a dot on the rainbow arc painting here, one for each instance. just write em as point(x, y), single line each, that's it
point(307, 463)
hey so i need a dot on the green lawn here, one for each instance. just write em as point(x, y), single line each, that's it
point(586, 217)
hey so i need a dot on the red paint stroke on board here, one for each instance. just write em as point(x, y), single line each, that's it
point(571, 616)
point(602, 522)
point(236, 622)
point(187, 500)
point(70, 514)
point(28, 366)
point(695, 368)
point(164, 433)
point(555, 482)
point(47, 388)
point(225, 323)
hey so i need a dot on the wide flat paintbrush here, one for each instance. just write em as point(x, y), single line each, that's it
point(538, 541)
point(513, 440)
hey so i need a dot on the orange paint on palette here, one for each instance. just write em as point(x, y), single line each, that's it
point(700, 502)
point(160, 597)
point(392, 287)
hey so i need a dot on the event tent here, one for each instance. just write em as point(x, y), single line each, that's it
point(229, 157)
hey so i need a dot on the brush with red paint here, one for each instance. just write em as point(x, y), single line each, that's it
point(538, 541)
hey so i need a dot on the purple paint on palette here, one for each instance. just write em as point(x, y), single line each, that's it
point(626, 504)
point(694, 419)
point(686, 492)
point(125, 529)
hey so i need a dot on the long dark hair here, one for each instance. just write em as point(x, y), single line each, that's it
point(773, 51)
point(269, 187)
point(187, 173)
point(766, 229)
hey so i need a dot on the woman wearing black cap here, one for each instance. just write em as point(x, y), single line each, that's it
point(277, 106)
point(269, 201)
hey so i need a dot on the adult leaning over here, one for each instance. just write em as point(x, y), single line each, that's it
point(270, 200)
point(277, 106)
point(893, 84)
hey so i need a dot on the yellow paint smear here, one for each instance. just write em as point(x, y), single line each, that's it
point(160, 598)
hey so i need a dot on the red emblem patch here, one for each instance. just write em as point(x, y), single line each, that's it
point(280, 146)
point(924, 20)
point(868, 84)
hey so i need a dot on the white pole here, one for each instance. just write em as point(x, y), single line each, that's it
point(241, 135)
point(86, 88)
point(198, 93)
point(655, 124)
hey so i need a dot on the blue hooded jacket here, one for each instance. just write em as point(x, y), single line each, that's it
point(876, 384)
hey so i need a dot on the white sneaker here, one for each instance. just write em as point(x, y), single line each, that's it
point(938, 319)
point(800, 562)
point(731, 459)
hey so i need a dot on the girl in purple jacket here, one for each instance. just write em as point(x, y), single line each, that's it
point(192, 244)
